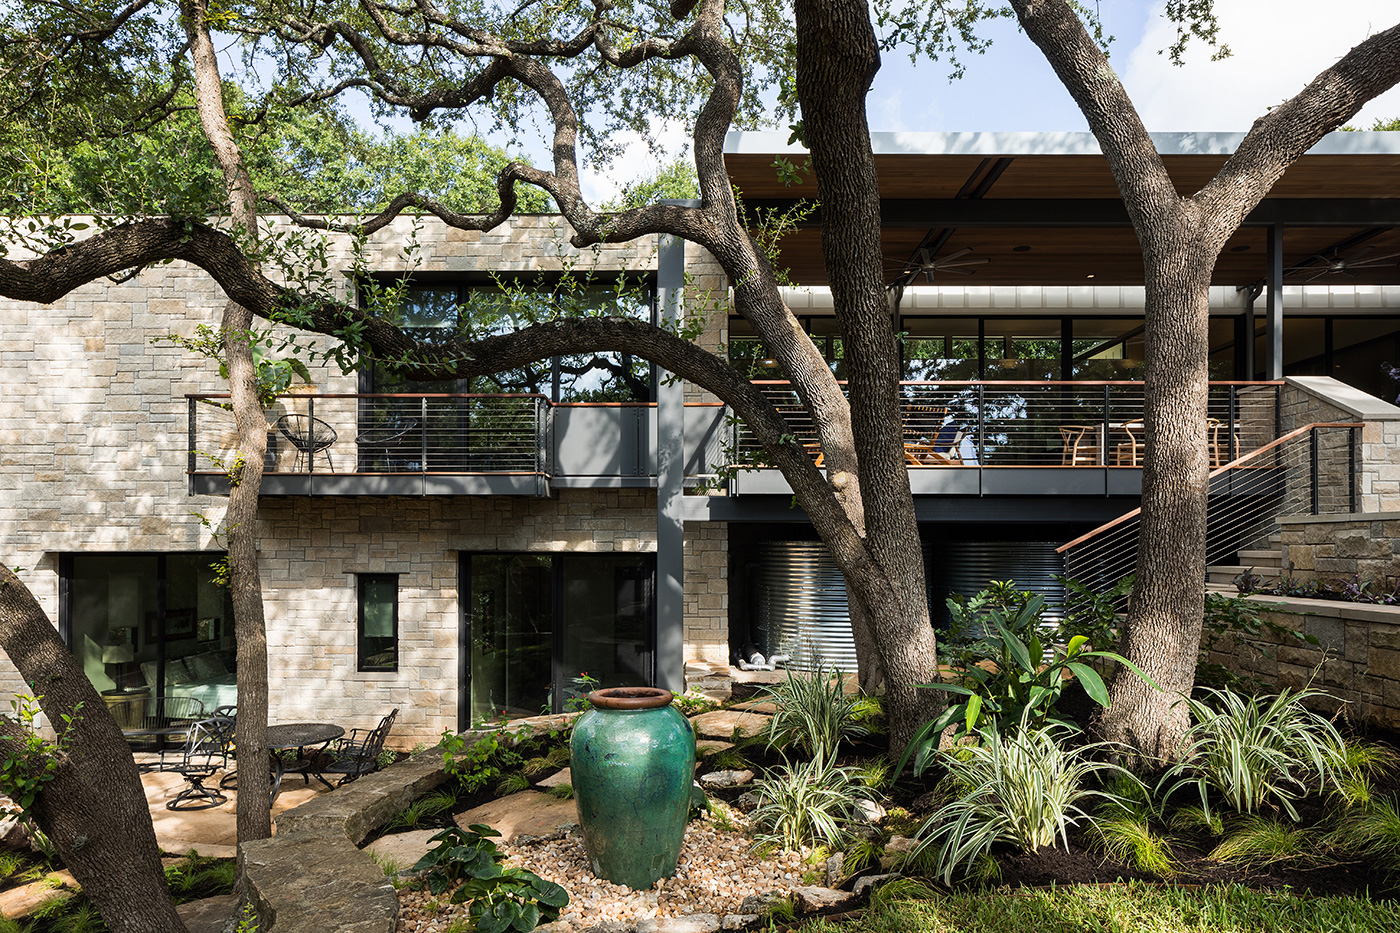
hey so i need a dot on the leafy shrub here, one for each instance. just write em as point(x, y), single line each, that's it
point(813, 711)
point(501, 898)
point(1023, 787)
point(1228, 617)
point(1019, 687)
point(807, 803)
point(196, 877)
point(1257, 751)
point(477, 760)
point(1093, 613)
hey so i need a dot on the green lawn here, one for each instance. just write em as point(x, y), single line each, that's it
point(1126, 908)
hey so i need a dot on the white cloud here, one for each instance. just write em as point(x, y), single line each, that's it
point(636, 162)
point(1278, 45)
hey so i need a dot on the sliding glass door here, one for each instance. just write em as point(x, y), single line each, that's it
point(544, 629)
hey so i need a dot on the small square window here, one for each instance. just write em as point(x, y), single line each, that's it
point(378, 625)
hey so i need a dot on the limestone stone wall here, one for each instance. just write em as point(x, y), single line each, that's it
point(313, 548)
point(1326, 547)
point(1318, 399)
point(93, 421)
point(1357, 661)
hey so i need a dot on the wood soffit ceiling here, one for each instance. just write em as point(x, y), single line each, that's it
point(1094, 246)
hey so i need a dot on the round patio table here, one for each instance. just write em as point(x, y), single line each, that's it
point(301, 736)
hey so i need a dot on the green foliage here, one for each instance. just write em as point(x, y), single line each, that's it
point(562, 791)
point(512, 784)
point(248, 921)
point(24, 772)
point(1257, 751)
point(196, 876)
point(1128, 837)
point(1093, 613)
point(1260, 840)
point(675, 180)
point(1370, 833)
point(813, 712)
point(807, 803)
point(1024, 788)
point(475, 761)
point(274, 376)
point(500, 898)
point(423, 809)
point(1007, 679)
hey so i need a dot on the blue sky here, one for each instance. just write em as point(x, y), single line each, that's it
point(1278, 46)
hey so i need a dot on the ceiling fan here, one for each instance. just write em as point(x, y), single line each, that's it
point(1333, 262)
point(926, 263)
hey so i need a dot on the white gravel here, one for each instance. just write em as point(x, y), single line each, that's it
point(716, 872)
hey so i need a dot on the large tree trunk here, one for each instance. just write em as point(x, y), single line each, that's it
point(245, 478)
point(837, 56)
point(1163, 625)
point(94, 810)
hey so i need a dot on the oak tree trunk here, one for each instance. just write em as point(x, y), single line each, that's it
point(94, 810)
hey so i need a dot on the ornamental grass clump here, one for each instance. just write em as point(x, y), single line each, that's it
point(815, 712)
point(809, 803)
point(1255, 752)
point(1025, 788)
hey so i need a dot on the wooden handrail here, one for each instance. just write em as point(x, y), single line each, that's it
point(1291, 435)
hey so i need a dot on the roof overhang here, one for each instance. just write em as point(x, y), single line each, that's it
point(1043, 208)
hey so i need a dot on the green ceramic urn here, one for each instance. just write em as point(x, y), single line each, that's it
point(633, 761)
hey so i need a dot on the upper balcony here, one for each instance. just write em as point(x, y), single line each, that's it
point(961, 438)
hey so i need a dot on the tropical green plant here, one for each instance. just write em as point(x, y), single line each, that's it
point(814, 712)
point(1020, 686)
point(478, 759)
point(500, 898)
point(1257, 750)
point(1023, 787)
point(1092, 612)
point(423, 809)
point(807, 803)
point(198, 876)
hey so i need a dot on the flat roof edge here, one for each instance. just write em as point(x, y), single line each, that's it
point(775, 142)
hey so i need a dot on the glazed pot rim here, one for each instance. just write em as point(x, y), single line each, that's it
point(630, 698)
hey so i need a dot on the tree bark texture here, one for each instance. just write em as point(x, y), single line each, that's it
point(1181, 238)
point(254, 808)
point(837, 57)
point(94, 810)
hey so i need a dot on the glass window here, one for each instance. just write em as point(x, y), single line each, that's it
point(1107, 349)
point(1022, 349)
point(1366, 354)
point(547, 629)
point(940, 348)
point(378, 627)
point(151, 624)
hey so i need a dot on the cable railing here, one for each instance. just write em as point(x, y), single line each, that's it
point(1311, 470)
point(1060, 424)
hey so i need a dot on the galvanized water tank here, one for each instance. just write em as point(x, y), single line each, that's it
point(968, 567)
point(801, 608)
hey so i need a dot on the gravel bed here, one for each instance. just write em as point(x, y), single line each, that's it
point(715, 873)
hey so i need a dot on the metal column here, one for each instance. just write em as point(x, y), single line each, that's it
point(670, 476)
point(1273, 331)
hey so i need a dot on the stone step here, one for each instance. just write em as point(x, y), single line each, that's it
point(1262, 557)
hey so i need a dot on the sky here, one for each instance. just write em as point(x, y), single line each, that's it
point(1278, 47)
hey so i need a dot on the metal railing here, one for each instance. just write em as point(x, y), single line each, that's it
point(353, 433)
point(1311, 470)
point(1020, 424)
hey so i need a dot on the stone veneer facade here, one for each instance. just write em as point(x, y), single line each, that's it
point(93, 455)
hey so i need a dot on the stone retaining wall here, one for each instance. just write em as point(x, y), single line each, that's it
point(312, 877)
point(1357, 659)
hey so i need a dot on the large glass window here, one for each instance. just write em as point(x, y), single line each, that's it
point(547, 629)
point(1107, 349)
point(437, 313)
point(150, 624)
point(940, 348)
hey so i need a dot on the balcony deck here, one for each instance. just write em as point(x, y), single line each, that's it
point(962, 439)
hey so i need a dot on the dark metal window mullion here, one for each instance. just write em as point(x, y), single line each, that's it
point(556, 631)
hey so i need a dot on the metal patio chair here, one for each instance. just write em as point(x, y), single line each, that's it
point(206, 754)
point(356, 754)
point(310, 436)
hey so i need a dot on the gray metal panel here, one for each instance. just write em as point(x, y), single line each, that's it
point(941, 481)
point(1125, 481)
point(967, 567)
point(596, 441)
point(705, 429)
point(481, 484)
point(802, 608)
point(1043, 481)
point(760, 483)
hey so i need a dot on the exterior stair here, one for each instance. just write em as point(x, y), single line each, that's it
point(1265, 561)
